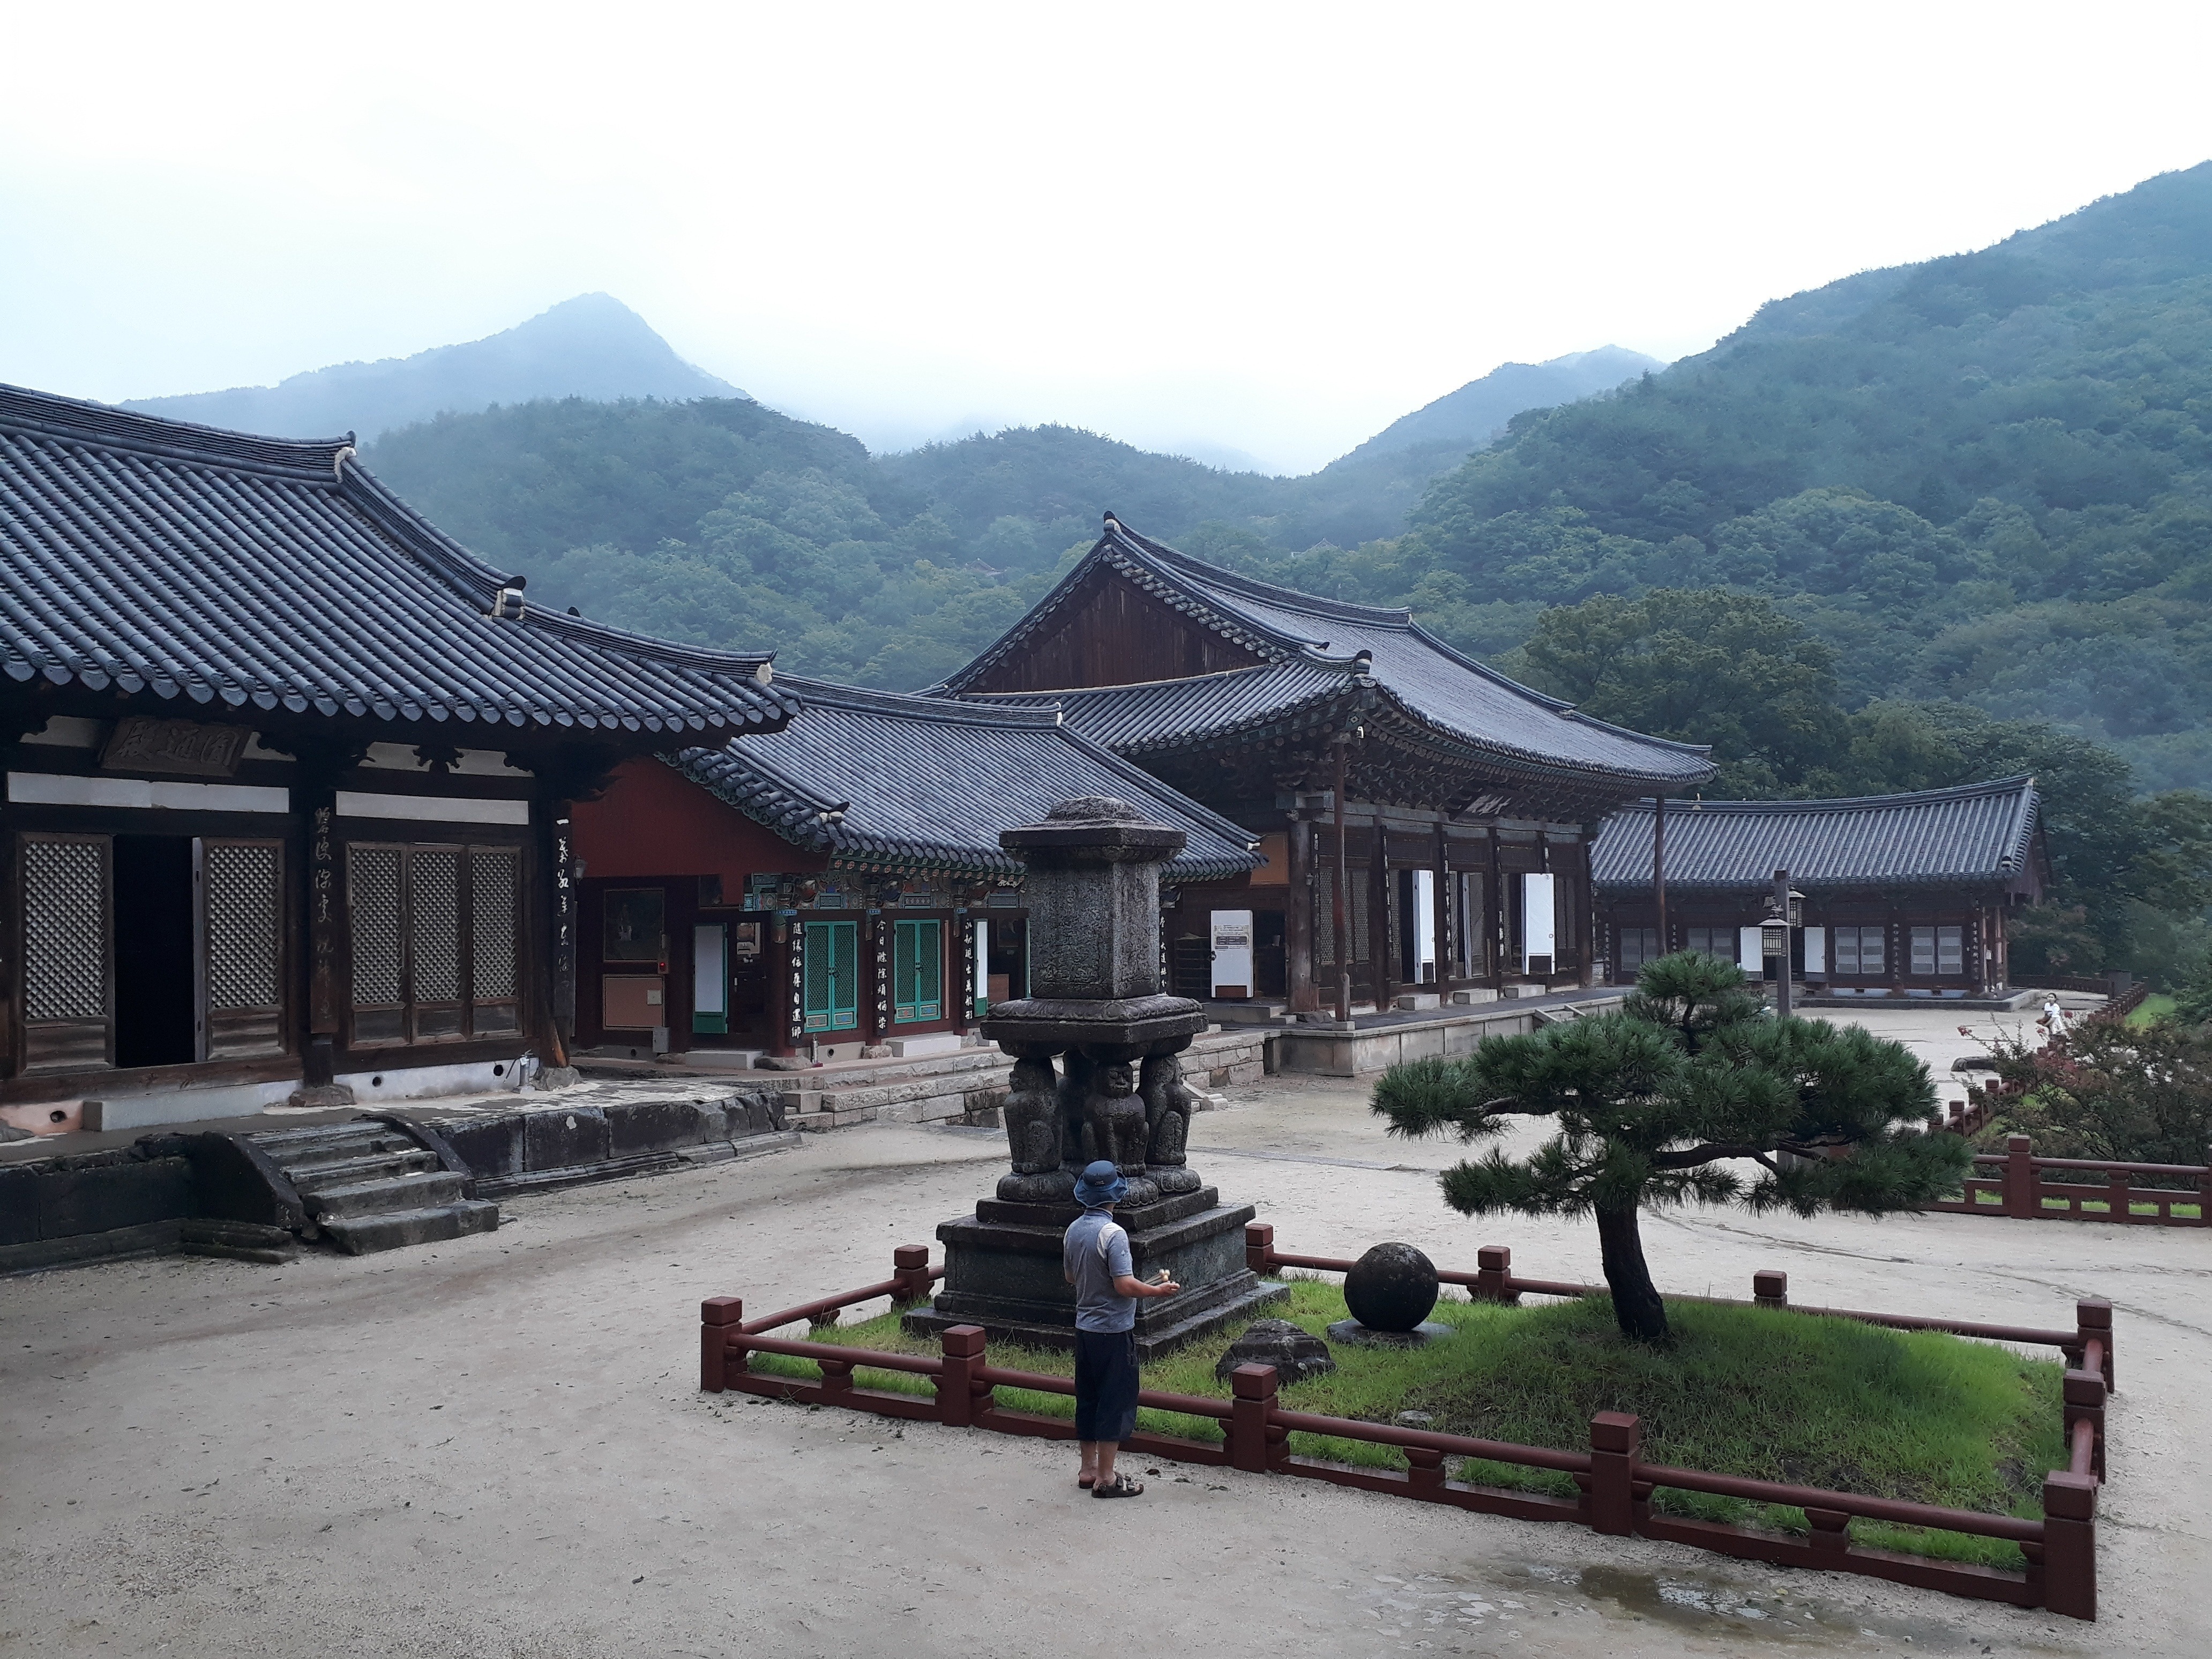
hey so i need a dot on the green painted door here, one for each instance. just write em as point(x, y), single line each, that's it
point(918, 973)
point(833, 975)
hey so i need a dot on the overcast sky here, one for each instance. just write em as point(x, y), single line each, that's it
point(1271, 227)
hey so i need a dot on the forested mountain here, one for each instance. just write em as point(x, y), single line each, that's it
point(1986, 478)
point(592, 346)
point(719, 521)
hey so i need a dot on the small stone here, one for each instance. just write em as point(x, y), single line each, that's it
point(1294, 1354)
point(1415, 1420)
point(1391, 1288)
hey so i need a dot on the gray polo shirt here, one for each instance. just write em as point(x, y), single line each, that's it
point(1095, 1252)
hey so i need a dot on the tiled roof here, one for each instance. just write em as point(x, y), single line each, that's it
point(881, 778)
point(1976, 832)
point(1318, 647)
point(1165, 714)
point(234, 571)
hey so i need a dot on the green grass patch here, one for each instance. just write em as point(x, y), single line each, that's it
point(2156, 1005)
point(1794, 1397)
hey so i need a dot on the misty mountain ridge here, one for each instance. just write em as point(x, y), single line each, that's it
point(1470, 417)
point(592, 346)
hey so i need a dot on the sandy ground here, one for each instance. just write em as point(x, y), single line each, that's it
point(495, 1446)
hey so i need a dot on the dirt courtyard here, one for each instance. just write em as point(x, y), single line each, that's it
point(495, 1446)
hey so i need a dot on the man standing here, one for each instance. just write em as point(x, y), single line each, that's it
point(1094, 1259)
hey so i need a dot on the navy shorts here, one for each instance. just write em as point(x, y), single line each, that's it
point(1105, 1385)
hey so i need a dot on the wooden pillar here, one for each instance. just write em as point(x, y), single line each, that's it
point(316, 803)
point(787, 966)
point(1385, 975)
point(320, 978)
point(1495, 882)
point(874, 959)
point(558, 864)
point(1441, 912)
point(1586, 909)
point(1339, 893)
point(1297, 919)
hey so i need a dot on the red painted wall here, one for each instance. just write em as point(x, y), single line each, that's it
point(653, 821)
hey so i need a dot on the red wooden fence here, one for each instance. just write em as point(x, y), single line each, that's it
point(2018, 1184)
point(1614, 1483)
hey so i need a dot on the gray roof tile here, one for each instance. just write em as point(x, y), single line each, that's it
point(1975, 832)
point(881, 778)
point(1320, 648)
point(235, 571)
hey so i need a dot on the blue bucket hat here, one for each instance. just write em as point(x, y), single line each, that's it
point(1102, 1183)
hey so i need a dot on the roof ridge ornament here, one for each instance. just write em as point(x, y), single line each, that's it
point(343, 454)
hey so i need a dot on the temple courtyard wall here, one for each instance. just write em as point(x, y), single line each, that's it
point(495, 1445)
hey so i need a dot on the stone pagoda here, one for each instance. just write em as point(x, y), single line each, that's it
point(1092, 889)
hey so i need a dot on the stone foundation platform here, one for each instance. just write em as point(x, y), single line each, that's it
point(1002, 1271)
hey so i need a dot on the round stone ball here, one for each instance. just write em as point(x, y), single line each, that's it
point(1391, 1288)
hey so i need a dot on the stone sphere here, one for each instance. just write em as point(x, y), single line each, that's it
point(1391, 1288)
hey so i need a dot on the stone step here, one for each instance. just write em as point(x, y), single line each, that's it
point(893, 1094)
point(889, 1069)
point(397, 1229)
point(334, 1149)
point(317, 1140)
point(376, 1166)
point(238, 1241)
point(419, 1190)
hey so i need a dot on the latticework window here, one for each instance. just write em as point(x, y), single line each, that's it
point(437, 935)
point(434, 923)
point(242, 922)
point(64, 929)
point(495, 880)
point(379, 957)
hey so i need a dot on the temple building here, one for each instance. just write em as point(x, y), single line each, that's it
point(288, 774)
point(837, 884)
point(1906, 896)
point(1459, 806)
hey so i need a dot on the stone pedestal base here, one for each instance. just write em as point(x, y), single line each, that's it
point(1002, 1271)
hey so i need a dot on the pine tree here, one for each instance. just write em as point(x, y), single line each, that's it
point(1653, 1102)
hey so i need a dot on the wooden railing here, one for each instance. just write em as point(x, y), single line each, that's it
point(1613, 1484)
point(2018, 1184)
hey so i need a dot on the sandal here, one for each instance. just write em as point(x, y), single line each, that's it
point(1086, 1481)
point(1120, 1486)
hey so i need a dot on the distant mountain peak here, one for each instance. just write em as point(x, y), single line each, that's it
point(592, 346)
point(1470, 417)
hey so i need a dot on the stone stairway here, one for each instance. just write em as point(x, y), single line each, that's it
point(368, 1187)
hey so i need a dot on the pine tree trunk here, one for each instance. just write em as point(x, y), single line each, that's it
point(1636, 1304)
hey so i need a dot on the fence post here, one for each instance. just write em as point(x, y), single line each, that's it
point(1494, 1274)
point(2070, 1544)
point(2093, 1317)
point(1258, 1245)
point(2084, 1397)
point(1252, 1389)
point(2022, 1202)
point(1615, 1438)
point(2117, 1184)
point(2204, 1197)
point(1831, 1537)
point(1770, 1288)
point(1424, 1472)
point(719, 1318)
point(911, 1267)
point(961, 1349)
